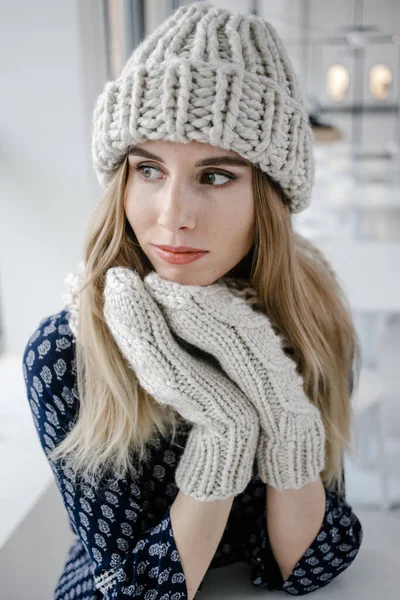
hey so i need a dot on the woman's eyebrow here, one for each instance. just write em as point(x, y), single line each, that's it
point(213, 160)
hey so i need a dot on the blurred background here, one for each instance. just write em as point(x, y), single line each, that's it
point(55, 59)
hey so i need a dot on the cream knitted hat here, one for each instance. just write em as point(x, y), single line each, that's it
point(218, 77)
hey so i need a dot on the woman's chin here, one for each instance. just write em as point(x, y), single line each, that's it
point(185, 277)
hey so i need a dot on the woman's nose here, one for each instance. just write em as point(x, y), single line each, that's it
point(176, 209)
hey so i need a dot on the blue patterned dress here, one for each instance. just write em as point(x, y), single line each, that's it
point(124, 545)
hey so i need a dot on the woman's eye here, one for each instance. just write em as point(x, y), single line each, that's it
point(142, 168)
point(210, 177)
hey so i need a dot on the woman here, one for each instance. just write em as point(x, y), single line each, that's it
point(195, 407)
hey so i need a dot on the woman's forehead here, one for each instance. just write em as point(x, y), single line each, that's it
point(201, 154)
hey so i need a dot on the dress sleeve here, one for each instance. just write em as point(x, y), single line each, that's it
point(333, 550)
point(124, 525)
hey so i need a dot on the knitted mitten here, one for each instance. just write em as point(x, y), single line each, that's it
point(291, 450)
point(219, 455)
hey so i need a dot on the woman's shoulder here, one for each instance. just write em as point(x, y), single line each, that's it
point(52, 339)
point(49, 365)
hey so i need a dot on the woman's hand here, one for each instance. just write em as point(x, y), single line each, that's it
point(291, 450)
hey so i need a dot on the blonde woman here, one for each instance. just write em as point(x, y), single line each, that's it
point(193, 395)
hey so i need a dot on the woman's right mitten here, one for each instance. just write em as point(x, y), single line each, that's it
point(218, 458)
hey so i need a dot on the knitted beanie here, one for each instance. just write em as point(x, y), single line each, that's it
point(218, 77)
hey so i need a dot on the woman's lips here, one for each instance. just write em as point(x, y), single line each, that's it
point(178, 258)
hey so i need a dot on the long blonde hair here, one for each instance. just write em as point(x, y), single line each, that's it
point(287, 277)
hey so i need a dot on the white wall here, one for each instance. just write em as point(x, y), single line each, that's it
point(47, 185)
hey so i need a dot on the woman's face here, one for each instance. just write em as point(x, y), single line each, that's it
point(190, 195)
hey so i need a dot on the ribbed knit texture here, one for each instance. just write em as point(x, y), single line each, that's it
point(218, 458)
point(218, 77)
point(291, 452)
